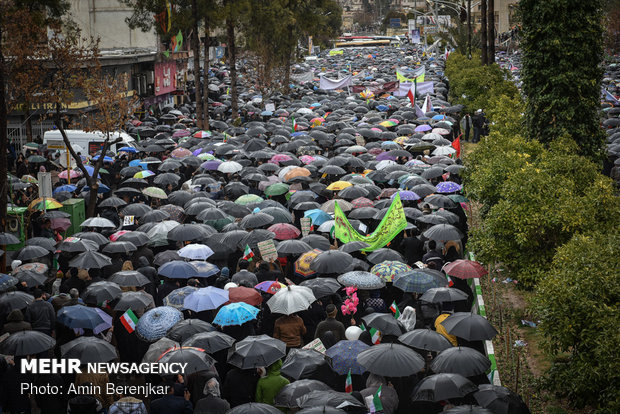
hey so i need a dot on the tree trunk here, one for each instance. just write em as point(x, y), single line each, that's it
point(28, 123)
point(3, 144)
point(483, 31)
point(205, 90)
point(287, 64)
point(232, 61)
point(196, 49)
point(469, 29)
point(491, 32)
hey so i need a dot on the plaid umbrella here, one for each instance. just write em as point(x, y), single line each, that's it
point(302, 265)
point(387, 270)
point(465, 269)
point(177, 296)
point(361, 202)
point(235, 314)
point(415, 281)
point(344, 357)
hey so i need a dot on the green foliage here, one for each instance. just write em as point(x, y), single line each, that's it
point(472, 84)
point(542, 203)
point(578, 306)
point(562, 43)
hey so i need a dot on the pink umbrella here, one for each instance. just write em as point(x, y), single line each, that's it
point(181, 133)
point(307, 159)
point(181, 153)
point(278, 158)
point(114, 237)
point(73, 174)
point(202, 134)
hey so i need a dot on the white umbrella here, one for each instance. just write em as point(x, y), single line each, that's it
point(384, 164)
point(304, 111)
point(292, 299)
point(98, 222)
point(444, 150)
point(196, 252)
point(327, 226)
point(230, 167)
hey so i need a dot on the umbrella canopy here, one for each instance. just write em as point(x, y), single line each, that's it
point(158, 348)
point(155, 323)
point(461, 360)
point(235, 314)
point(469, 326)
point(26, 343)
point(291, 300)
point(465, 269)
point(440, 387)
point(302, 264)
point(284, 231)
point(98, 222)
point(322, 286)
point(292, 247)
point(305, 363)
point(391, 360)
point(443, 232)
point(90, 260)
point(288, 395)
point(123, 247)
point(78, 316)
point(322, 409)
point(328, 398)
point(100, 292)
point(384, 322)
point(77, 245)
point(469, 409)
point(89, 349)
point(137, 301)
point(188, 328)
point(245, 294)
point(196, 252)
point(500, 400)
point(443, 294)
point(177, 297)
point(129, 278)
point(177, 269)
point(389, 269)
point(331, 261)
point(256, 351)
point(417, 281)
point(353, 246)
point(344, 357)
point(187, 232)
point(32, 252)
point(206, 299)
point(361, 280)
point(385, 254)
point(30, 278)
point(14, 300)
point(210, 341)
point(426, 339)
point(254, 408)
point(196, 359)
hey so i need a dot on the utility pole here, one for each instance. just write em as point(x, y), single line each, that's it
point(469, 29)
point(483, 31)
point(491, 32)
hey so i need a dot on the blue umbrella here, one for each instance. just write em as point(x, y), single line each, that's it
point(318, 216)
point(178, 296)
point(105, 159)
point(344, 357)
point(383, 108)
point(438, 117)
point(266, 113)
point(178, 269)
point(135, 163)
point(235, 314)
point(407, 195)
point(447, 187)
point(6, 281)
point(78, 316)
point(415, 281)
point(130, 150)
point(102, 188)
point(154, 324)
point(205, 269)
point(67, 187)
point(206, 299)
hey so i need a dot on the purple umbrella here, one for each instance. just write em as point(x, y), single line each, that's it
point(211, 165)
point(385, 156)
point(423, 128)
point(407, 195)
point(447, 187)
point(197, 152)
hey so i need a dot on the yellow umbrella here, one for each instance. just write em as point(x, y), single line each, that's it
point(339, 185)
point(44, 203)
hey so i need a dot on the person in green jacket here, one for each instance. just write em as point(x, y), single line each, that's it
point(270, 385)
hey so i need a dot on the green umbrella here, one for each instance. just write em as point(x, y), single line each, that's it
point(32, 145)
point(248, 199)
point(458, 198)
point(154, 192)
point(276, 189)
point(37, 158)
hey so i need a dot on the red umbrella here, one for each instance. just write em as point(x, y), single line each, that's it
point(244, 294)
point(361, 202)
point(465, 269)
point(284, 231)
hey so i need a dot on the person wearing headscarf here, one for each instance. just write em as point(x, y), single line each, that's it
point(270, 385)
point(408, 318)
point(212, 403)
point(389, 397)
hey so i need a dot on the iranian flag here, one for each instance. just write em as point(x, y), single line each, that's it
point(375, 336)
point(395, 310)
point(294, 125)
point(129, 320)
point(348, 384)
point(248, 254)
point(376, 405)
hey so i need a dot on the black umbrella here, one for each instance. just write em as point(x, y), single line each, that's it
point(461, 360)
point(210, 341)
point(440, 200)
point(468, 409)
point(167, 178)
point(322, 286)
point(112, 202)
point(443, 294)
point(322, 409)
point(305, 363)
point(137, 210)
point(30, 278)
point(254, 237)
point(331, 261)
point(98, 238)
point(155, 216)
point(75, 245)
point(353, 246)
point(316, 241)
point(165, 257)
point(280, 215)
point(100, 292)
point(431, 219)
point(196, 360)
point(124, 247)
point(353, 192)
point(292, 247)
point(500, 400)
point(425, 339)
point(234, 209)
point(288, 395)
point(443, 232)
point(384, 322)
point(256, 351)
point(391, 360)
point(32, 252)
point(187, 232)
point(469, 326)
point(328, 398)
point(137, 301)
point(89, 349)
point(383, 254)
point(14, 300)
point(42, 242)
point(188, 328)
point(254, 408)
point(138, 238)
point(440, 387)
point(179, 197)
point(8, 238)
point(90, 260)
point(26, 343)
point(363, 213)
point(256, 220)
point(211, 213)
point(129, 278)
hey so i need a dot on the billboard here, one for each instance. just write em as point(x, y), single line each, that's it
point(443, 21)
point(165, 77)
point(395, 22)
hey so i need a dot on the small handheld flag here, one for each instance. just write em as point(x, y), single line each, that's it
point(348, 384)
point(248, 254)
point(395, 310)
point(294, 125)
point(456, 144)
point(375, 336)
point(376, 401)
point(129, 320)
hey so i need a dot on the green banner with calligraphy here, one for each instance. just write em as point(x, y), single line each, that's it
point(392, 223)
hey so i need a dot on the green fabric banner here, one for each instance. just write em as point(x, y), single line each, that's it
point(392, 223)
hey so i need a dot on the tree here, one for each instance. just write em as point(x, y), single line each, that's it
point(561, 73)
point(491, 32)
point(233, 9)
point(483, 32)
point(16, 19)
point(577, 303)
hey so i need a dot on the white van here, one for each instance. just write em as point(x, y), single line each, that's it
point(84, 143)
